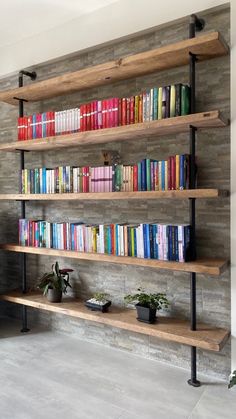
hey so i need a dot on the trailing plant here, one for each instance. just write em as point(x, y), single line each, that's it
point(232, 379)
point(156, 301)
point(55, 279)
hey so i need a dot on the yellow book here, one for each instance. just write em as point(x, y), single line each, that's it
point(177, 171)
point(136, 109)
point(172, 100)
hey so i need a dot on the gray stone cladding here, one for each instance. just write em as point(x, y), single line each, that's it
point(212, 220)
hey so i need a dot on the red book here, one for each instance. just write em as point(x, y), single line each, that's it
point(82, 117)
point(124, 111)
point(92, 117)
point(131, 110)
point(135, 177)
point(25, 127)
point(30, 127)
point(87, 179)
point(88, 117)
point(119, 112)
point(112, 239)
point(19, 128)
point(52, 123)
point(39, 125)
point(128, 111)
point(169, 173)
point(95, 116)
point(115, 110)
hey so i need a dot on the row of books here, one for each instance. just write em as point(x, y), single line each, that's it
point(156, 103)
point(151, 241)
point(147, 175)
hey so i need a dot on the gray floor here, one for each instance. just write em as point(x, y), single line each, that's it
point(47, 375)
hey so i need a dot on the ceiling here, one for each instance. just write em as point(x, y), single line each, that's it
point(22, 19)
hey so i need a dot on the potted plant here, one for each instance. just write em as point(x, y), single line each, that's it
point(232, 381)
point(55, 283)
point(147, 304)
point(99, 302)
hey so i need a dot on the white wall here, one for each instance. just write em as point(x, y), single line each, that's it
point(121, 19)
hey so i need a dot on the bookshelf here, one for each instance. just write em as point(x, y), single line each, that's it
point(202, 266)
point(185, 52)
point(102, 196)
point(179, 124)
point(205, 46)
point(175, 330)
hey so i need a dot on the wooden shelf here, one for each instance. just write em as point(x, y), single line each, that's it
point(202, 266)
point(175, 330)
point(178, 124)
point(205, 46)
point(147, 195)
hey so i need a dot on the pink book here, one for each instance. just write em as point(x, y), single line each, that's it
point(110, 113)
point(110, 178)
point(95, 110)
point(95, 179)
point(101, 179)
point(99, 114)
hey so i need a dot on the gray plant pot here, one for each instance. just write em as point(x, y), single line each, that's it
point(54, 296)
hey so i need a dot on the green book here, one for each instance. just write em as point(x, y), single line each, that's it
point(132, 241)
point(172, 100)
point(160, 103)
point(155, 103)
point(185, 99)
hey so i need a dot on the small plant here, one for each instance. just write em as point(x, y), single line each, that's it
point(156, 301)
point(57, 279)
point(232, 379)
point(99, 302)
point(100, 296)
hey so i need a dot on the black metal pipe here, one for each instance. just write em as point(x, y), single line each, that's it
point(192, 210)
point(23, 256)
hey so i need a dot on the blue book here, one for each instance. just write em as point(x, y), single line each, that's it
point(182, 170)
point(143, 175)
point(117, 244)
point(44, 176)
point(72, 232)
point(170, 251)
point(44, 124)
point(176, 244)
point(144, 241)
point(148, 241)
point(34, 121)
point(163, 175)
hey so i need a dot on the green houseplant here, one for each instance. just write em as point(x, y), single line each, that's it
point(55, 283)
point(99, 302)
point(232, 381)
point(147, 304)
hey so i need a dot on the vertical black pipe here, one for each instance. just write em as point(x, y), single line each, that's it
point(193, 318)
point(23, 255)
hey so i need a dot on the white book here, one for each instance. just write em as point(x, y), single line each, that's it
point(151, 106)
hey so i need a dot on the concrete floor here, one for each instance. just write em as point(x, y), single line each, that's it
point(47, 375)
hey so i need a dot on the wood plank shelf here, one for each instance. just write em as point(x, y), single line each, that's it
point(205, 46)
point(175, 330)
point(145, 195)
point(202, 266)
point(178, 124)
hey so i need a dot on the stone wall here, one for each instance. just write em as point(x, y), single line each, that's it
point(213, 216)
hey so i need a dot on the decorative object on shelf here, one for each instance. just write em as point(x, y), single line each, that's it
point(147, 304)
point(55, 283)
point(99, 302)
point(232, 378)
